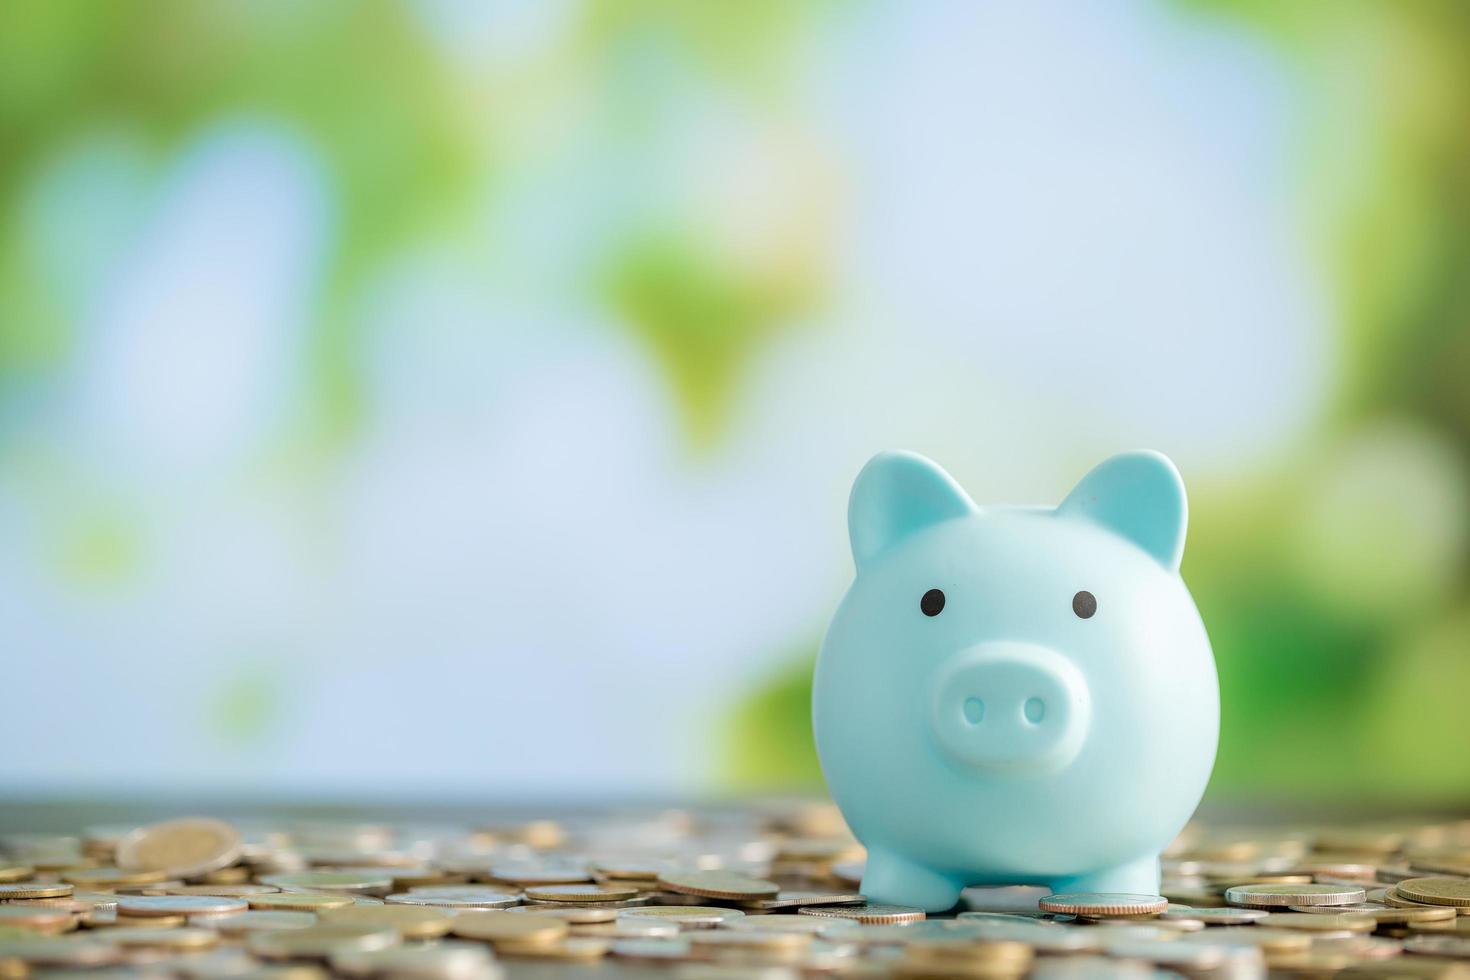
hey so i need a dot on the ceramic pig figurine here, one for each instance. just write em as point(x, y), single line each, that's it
point(1015, 695)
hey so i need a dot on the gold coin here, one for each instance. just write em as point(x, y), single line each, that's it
point(1390, 916)
point(232, 875)
point(34, 889)
point(411, 921)
point(867, 914)
point(1103, 904)
point(183, 848)
point(717, 884)
point(16, 872)
point(181, 939)
point(1436, 891)
point(1283, 896)
point(39, 918)
point(318, 942)
point(690, 916)
point(147, 921)
point(499, 927)
point(581, 893)
point(149, 905)
point(107, 877)
point(298, 901)
point(1316, 922)
point(570, 948)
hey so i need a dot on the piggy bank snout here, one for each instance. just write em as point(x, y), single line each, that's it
point(1010, 708)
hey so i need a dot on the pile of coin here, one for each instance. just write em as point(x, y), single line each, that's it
point(770, 892)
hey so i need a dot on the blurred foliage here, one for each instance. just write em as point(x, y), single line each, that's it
point(358, 77)
point(1337, 601)
point(1335, 588)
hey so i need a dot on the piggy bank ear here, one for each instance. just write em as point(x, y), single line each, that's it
point(1138, 495)
point(895, 495)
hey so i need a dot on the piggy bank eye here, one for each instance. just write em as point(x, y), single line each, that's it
point(1084, 604)
point(933, 603)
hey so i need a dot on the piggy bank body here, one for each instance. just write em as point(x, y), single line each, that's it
point(1015, 695)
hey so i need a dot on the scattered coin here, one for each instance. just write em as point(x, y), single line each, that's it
point(467, 897)
point(220, 891)
point(184, 938)
point(148, 921)
point(1314, 922)
point(580, 893)
point(717, 884)
point(793, 899)
point(1218, 916)
point(37, 918)
point(689, 916)
point(715, 942)
point(537, 875)
point(635, 928)
point(1104, 904)
point(806, 924)
point(63, 951)
point(619, 884)
point(868, 914)
point(318, 942)
point(1453, 946)
point(368, 883)
point(571, 914)
point(261, 921)
point(500, 927)
point(183, 848)
point(571, 948)
point(150, 905)
point(298, 901)
point(1436, 891)
point(109, 877)
point(1283, 896)
point(411, 921)
point(35, 889)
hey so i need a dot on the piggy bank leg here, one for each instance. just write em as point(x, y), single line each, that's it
point(891, 880)
point(1141, 877)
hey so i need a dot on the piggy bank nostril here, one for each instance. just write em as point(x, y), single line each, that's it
point(974, 710)
point(1034, 710)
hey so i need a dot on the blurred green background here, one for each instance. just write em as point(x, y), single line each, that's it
point(382, 381)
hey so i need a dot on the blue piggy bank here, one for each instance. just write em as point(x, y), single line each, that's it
point(1015, 695)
